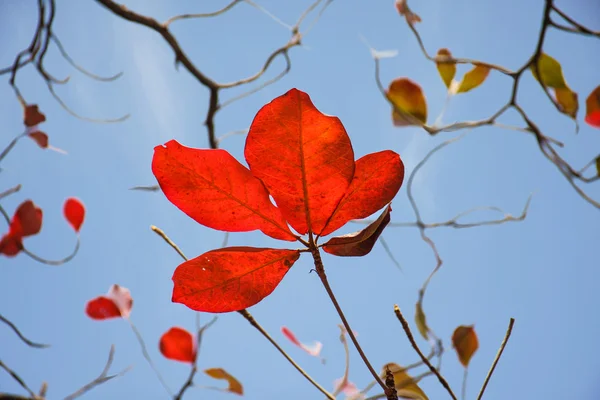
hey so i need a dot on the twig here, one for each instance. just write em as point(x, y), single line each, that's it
point(205, 15)
point(10, 191)
point(103, 377)
point(497, 358)
point(463, 392)
point(54, 262)
point(17, 378)
point(420, 353)
point(344, 381)
point(164, 236)
point(21, 336)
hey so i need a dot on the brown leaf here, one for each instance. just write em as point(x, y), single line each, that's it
point(33, 116)
point(219, 373)
point(464, 341)
point(40, 138)
point(406, 386)
point(359, 243)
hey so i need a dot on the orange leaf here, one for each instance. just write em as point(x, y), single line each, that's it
point(464, 340)
point(304, 157)
point(33, 116)
point(219, 373)
point(359, 243)
point(179, 345)
point(406, 386)
point(216, 190)
point(404, 10)
point(377, 179)
point(74, 212)
point(592, 108)
point(40, 138)
point(446, 70)
point(410, 107)
point(230, 279)
point(473, 79)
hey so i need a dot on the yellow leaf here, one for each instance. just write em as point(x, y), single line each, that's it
point(464, 340)
point(219, 373)
point(592, 110)
point(410, 107)
point(567, 100)
point(446, 70)
point(404, 383)
point(421, 321)
point(473, 78)
point(550, 71)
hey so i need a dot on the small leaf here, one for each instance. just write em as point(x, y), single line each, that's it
point(117, 303)
point(567, 100)
point(405, 385)
point(446, 70)
point(33, 116)
point(377, 179)
point(348, 388)
point(410, 107)
point(472, 79)
point(313, 349)
point(230, 279)
point(359, 243)
point(421, 321)
point(464, 341)
point(26, 221)
point(10, 245)
point(121, 296)
point(592, 108)
point(219, 373)
point(74, 213)
point(304, 158)
point(40, 138)
point(404, 10)
point(179, 345)
point(550, 71)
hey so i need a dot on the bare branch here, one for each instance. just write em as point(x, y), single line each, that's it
point(17, 378)
point(497, 358)
point(21, 336)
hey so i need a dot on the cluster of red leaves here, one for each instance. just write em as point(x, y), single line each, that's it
point(301, 172)
point(27, 221)
point(32, 118)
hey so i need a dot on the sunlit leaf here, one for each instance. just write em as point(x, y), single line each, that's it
point(313, 349)
point(421, 321)
point(117, 303)
point(472, 79)
point(377, 179)
point(304, 158)
point(40, 138)
point(33, 116)
point(230, 279)
point(410, 107)
point(219, 373)
point(214, 189)
point(465, 342)
point(179, 345)
point(359, 243)
point(446, 70)
point(74, 213)
point(551, 72)
point(592, 108)
point(405, 385)
point(567, 100)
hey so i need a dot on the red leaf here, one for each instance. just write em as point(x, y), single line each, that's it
point(216, 190)
point(102, 308)
point(74, 212)
point(304, 157)
point(377, 179)
point(230, 279)
point(27, 220)
point(10, 245)
point(359, 243)
point(40, 138)
point(179, 345)
point(117, 303)
point(33, 116)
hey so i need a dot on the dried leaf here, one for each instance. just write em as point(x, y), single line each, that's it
point(592, 108)
point(410, 107)
point(74, 213)
point(313, 349)
point(472, 79)
point(179, 345)
point(219, 373)
point(464, 341)
point(405, 385)
point(359, 243)
point(33, 116)
point(446, 70)
point(40, 138)
point(230, 279)
point(421, 321)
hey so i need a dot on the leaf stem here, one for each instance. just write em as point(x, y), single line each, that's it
point(497, 358)
point(420, 353)
point(320, 269)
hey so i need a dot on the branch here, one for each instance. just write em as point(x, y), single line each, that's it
point(497, 358)
point(17, 378)
point(21, 336)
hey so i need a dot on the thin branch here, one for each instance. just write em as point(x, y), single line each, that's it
point(205, 15)
point(389, 253)
point(344, 381)
point(54, 262)
point(102, 378)
point(17, 378)
point(164, 236)
point(10, 191)
point(21, 336)
point(420, 353)
point(497, 358)
point(581, 29)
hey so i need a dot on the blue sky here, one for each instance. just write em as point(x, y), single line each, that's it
point(542, 271)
